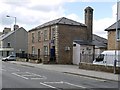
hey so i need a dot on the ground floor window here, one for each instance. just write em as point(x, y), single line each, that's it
point(45, 50)
point(33, 50)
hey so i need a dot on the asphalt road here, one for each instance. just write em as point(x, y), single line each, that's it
point(29, 78)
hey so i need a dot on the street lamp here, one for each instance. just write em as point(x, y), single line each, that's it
point(12, 17)
point(15, 32)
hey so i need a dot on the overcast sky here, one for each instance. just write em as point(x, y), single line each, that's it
point(31, 13)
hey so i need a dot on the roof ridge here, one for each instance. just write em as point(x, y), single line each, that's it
point(112, 25)
point(61, 19)
point(99, 36)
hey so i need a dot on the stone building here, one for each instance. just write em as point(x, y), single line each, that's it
point(53, 41)
point(112, 37)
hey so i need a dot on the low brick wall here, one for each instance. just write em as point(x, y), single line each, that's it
point(21, 59)
point(90, 66)
point(31, 61)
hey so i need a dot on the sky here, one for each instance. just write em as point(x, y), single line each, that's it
point(32, 13)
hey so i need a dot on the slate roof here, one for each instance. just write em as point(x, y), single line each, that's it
point(81, 42)
point(113, 27)
point(97, 41)
point(3, 36)
point(63, 20)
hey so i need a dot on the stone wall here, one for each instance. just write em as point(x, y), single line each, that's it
point(103, 68)
point(67, 34)
point(112, 41)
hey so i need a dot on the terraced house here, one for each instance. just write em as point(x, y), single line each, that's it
point(112, 36)
point(53, 41)
point(12, 42)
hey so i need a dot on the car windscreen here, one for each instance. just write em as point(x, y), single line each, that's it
point(100, 58)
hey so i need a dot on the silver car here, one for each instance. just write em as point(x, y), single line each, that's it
point(9, 58)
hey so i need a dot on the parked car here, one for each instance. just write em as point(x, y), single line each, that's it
point(9, 58)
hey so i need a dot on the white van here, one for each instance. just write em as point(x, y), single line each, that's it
point(107, 58)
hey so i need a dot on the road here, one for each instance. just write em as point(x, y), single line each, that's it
point(30, 78)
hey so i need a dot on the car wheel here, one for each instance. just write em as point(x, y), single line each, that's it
point(6, 60)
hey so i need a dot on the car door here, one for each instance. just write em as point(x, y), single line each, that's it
point(12, 57)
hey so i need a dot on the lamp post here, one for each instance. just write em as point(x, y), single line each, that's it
point(12, 17)
point(15, 33)
point(116, 41)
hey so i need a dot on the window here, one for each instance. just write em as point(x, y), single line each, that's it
point(33, 38)
point(45, 50)
point(33, 50)
point(8, 44)
point(74, 45)
point(118, 35)
point(45, 35)
point(39, 36)
point(100, 58)
point(53, 34)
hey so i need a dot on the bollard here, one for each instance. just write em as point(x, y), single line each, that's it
point(115, 61)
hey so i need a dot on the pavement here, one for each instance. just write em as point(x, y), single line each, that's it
point(73, 69)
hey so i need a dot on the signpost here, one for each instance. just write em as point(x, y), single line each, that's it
point(117, 34)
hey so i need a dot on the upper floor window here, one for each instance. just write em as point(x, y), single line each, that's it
point(118, 35)
point(45, 35)
point(53, 34)
point(33, 38)
point(8, 44)
point(39, 36)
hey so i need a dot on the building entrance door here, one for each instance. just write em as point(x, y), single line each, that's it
point(52, 54)
point(38, 53)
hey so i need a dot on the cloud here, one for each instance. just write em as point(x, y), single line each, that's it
point(31, 13)
point(100, 25)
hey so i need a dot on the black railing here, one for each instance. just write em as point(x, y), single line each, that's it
point(34, 56)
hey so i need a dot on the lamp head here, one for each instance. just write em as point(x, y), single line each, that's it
point(7, 16)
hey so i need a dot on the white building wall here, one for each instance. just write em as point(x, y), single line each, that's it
point(86, 49)
point(80, 50)
point(76, 54)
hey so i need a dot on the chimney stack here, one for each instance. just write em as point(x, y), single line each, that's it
point(89, 22)
point(16, 27)
point(6, 30)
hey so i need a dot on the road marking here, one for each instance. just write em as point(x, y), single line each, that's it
point(37, 78)
point(14, 69)
point(2, 69)
point(47, 85)
point(28, 75)
point(61, 82)
point(74, 85)
point(20, 76)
